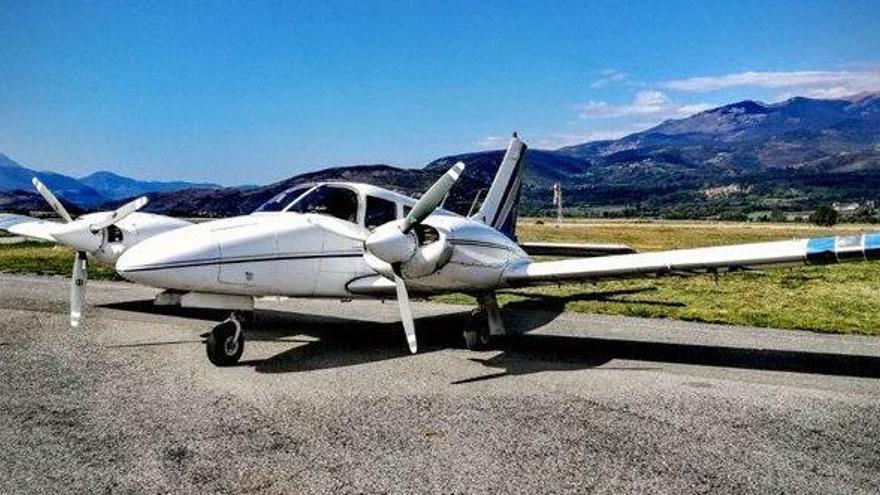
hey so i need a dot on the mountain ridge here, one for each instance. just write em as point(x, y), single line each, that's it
point(114, 186)
point(88, 191)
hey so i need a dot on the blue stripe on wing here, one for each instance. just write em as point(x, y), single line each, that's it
point(820, 251)
point(872, 246)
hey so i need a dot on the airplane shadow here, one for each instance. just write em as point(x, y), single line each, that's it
point(327, 342)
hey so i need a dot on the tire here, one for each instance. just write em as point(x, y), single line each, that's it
point(222, 350)
point(476, 335)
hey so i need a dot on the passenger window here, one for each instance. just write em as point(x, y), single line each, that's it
point(379, 211)
point(337, 202)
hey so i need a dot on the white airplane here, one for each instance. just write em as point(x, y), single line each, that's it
point(347, 240)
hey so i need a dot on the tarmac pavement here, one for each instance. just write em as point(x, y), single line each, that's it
point(328, 398)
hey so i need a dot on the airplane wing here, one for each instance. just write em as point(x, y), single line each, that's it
point(825, 250)
point(28, 227)
point(575, 250)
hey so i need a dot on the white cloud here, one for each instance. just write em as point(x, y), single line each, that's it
point(493, 142)
point(609, 76)
point(688, 110)
point(820, 84)
point(553, 141)
point(649, 103)
point(559, 140)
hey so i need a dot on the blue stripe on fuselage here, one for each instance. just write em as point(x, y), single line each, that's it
point(820, 251)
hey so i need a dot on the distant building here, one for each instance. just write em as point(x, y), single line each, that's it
point(854, 208)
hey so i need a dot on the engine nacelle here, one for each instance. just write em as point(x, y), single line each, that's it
point(431, 252)
point(112, 241)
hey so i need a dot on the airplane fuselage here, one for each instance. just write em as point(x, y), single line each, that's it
point(290, 254)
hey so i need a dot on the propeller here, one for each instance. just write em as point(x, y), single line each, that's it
point(83, 235)
point(394, 243)
point(406, 317)
point(78, 287)
point(52, 200)
point(432, 197)
point(118, 214)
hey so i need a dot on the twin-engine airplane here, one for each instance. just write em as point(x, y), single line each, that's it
point(345, 240)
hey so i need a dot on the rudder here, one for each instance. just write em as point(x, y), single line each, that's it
point(499, 209)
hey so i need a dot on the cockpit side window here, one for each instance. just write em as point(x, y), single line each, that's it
point(337, 202)
point(379, 211)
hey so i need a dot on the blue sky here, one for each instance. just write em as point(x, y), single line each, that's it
point(253, 92)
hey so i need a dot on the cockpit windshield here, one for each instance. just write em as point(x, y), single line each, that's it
point(339, 202)
point(281, 201)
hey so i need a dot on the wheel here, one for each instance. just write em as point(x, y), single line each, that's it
point(223, 349)
point(476, 335)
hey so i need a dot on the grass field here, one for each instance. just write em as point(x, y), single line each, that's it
point(838, 298)
point(45, 258)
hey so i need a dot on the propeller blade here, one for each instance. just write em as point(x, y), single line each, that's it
point(432, 197)
point(78, 287)
point(52, 200)
point(340, 227)
point(406, 317)
point(119, 213)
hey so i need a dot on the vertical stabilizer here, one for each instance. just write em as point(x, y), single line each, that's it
point(499, 209)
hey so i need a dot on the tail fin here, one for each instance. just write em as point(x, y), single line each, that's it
point(499, 209)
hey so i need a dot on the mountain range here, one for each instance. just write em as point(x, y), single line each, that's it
point(17, 191)
point(732, 160)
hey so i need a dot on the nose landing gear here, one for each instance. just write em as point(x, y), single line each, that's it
point(225, 343)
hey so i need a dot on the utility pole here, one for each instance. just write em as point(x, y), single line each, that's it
point(557, 201)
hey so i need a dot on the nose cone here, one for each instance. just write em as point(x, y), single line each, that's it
point(391, 245)
point(184, 259)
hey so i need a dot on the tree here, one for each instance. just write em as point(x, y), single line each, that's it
point(777, 215)
point(824, 216)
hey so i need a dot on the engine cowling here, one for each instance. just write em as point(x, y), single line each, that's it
point(418, 253)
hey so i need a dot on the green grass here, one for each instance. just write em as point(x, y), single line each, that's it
point(837, 298)
point(43, 258)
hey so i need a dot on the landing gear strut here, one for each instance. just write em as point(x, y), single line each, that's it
point(225, 343)
point(485, 320)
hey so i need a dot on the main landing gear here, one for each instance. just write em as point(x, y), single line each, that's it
point(483, 322)
point(225, 343)
point(476, 333)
